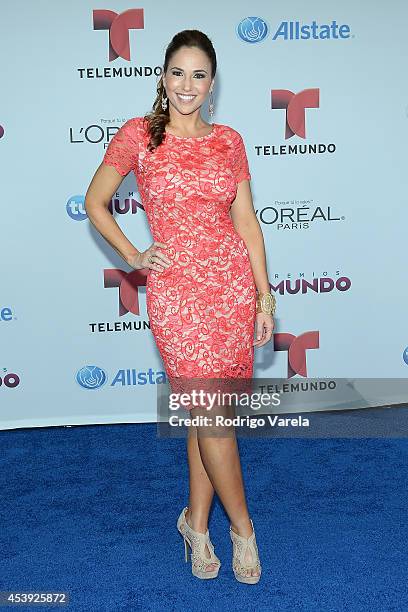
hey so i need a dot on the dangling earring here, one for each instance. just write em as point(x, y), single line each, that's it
point(164, 101)
point(211, 105)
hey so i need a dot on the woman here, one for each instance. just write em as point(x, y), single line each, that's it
point(205, 265)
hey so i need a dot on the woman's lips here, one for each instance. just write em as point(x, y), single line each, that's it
point(185, 100)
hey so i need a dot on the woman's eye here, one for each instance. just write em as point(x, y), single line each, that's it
point(178, 73)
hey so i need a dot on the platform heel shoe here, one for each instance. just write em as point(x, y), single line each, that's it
point(197, 542)
point(239, 565)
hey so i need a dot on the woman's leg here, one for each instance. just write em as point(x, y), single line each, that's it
point(220, 458)
point(201, 490)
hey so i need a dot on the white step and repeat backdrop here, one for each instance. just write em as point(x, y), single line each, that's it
point(319, 93)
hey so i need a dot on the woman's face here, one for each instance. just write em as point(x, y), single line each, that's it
point(187, 80)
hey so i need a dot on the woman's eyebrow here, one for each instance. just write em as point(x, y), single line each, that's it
point(198, 69)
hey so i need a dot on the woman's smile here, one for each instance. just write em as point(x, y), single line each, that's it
point(185, 98)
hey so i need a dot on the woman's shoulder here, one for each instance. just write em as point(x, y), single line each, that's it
point(133, 124)
point(229, 132)
point(133, 129)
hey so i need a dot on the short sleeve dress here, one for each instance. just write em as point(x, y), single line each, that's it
point(201, 308)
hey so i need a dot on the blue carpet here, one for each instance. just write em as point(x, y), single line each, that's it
point(92, 510)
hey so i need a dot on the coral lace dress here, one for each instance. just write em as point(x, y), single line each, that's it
point(202, 307)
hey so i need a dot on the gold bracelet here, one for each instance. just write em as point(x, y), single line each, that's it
point(266, 302)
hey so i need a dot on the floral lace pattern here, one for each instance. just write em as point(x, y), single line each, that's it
point(202, 307)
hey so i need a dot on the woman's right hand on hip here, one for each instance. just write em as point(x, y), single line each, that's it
point(152, 258)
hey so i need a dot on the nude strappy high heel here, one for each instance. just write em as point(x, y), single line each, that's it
point(197, 542)
point(239, 565)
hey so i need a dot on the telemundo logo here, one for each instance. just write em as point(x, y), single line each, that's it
point(255, 29)
point(91, 377)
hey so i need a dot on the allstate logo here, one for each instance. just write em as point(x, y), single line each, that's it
point(76, 208)
point(252, 29)
point(91, 377)
point(405, 355)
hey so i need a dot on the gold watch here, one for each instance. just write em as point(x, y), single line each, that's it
point(265, 302)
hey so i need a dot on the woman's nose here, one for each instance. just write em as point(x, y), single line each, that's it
point(187, 84)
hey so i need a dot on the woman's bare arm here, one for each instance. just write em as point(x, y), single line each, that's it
point(103, 185)
point(247, 226)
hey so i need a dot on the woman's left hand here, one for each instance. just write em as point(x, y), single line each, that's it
point(264, 326)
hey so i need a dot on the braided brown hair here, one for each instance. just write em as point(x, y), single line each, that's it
point(155, 121)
